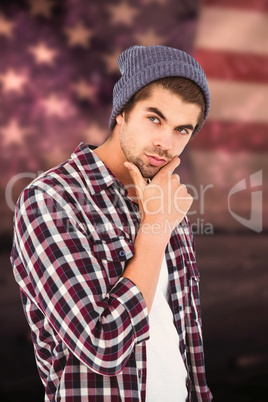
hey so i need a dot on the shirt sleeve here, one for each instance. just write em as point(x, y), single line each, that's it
point(56, 267)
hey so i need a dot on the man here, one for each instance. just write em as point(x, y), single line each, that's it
point(103, 250)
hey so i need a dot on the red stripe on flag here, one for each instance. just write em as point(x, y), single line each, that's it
point(233, 66)
point(256, 5)
point(233, 137)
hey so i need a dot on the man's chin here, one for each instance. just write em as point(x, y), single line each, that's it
point(147, 171)
point(150, 172)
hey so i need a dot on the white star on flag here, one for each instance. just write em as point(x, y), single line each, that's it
point(41, 7)
point(78, 35)
point(43, 54)
point(95, 134)
point(6, 27)
point(123, 13)
point(13, 81)
point(150, 38)
point(12, 133)
point(56, 106)
point(85, 91)
point(55, 154)
point(111, 60)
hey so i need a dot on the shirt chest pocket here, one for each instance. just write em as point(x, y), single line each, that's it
point(113, 255)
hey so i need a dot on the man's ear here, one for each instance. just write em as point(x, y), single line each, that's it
point(119, 118)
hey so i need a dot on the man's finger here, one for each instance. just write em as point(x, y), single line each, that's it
point(170, 166)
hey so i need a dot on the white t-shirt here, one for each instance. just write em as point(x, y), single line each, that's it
point(166, 372)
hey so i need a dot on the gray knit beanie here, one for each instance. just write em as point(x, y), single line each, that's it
point(140, 65)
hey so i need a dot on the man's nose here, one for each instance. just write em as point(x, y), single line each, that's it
point(164, 140)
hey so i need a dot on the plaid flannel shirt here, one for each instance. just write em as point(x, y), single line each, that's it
point(74, 230)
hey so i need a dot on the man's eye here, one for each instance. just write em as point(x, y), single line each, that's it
point(154, 119)
point(183, 130)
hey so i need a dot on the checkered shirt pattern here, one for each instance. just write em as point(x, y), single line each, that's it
point(74, 231)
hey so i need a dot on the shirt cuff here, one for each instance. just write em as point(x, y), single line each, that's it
point(129, 295)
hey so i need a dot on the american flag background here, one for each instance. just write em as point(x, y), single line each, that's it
point(57, 71)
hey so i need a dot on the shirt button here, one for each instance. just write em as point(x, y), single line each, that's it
point(179, 308)
point(122, 253)
point(139, 374)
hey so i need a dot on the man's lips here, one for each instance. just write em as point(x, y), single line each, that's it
point(155, 160)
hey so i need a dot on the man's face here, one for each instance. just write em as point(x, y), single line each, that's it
point(157, 129)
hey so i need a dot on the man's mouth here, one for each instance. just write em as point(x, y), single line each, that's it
point(155, 160)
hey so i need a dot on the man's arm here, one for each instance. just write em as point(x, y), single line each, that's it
point(163, 204)
point(56, 267)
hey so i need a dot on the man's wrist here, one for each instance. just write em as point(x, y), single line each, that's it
point(155, 232)
point(161, 228)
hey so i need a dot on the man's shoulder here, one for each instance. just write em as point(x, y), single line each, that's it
point(57, 177)
point(65, 179)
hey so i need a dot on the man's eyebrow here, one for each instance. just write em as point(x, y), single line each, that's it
point(156, 111)
point(189, 126)
point(160, 114)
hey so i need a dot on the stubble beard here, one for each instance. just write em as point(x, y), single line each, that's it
point(128, 147)
point(147, 171)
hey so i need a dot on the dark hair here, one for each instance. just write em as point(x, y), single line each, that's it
point(184, 87)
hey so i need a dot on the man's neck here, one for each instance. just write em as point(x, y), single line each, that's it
point(110, 153)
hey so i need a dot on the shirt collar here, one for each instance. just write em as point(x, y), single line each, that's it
point(96, 173)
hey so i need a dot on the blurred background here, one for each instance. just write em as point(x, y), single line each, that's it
point(57, 71)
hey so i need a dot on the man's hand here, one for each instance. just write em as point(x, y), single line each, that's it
point(164, 201)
